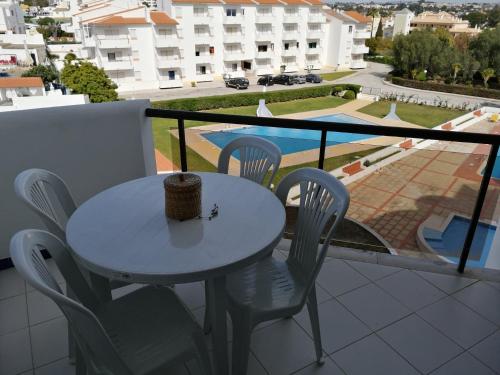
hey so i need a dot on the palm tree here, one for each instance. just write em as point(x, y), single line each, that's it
point(456, 69)
point(487, 74)
point(373, 12)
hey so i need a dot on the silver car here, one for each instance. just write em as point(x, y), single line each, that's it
point(299, 79)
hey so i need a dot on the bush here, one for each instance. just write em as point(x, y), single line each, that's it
point(240, 100)
point(347, 86)
point(454, 89)
point(349, 94)
point(421, 76)
point(388, 60)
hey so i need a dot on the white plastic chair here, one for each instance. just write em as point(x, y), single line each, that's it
point(145, 332)
point(272, 289)
point(257, 157)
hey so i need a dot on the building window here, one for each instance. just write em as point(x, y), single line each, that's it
point(262, 48)
point(287, 46)
point(312, 44)
point(297, 44)
point(234, 67)
point(350, 28)
point(231, 12)
point(171, 75)
point(197, 53)
point(203, 69)
point(211, 50)
point(111, 56)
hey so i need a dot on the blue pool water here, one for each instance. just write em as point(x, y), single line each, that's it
point(449, 244)
point(293, 140)
point(496, 168)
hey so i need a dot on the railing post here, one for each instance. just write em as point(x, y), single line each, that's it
point(322, 148)
point(182, 144)
point(483, 188)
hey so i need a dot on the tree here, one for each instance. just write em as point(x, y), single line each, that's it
point(485, 48)
point(487, 74)
point(456, 67)
point(494, 16)
point(380, 31)
point(476, 18)
point(373, 12)
point(46, 21)
point(86, 78)
point(48, 74)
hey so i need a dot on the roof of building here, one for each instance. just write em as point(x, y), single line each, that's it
point(162, 18)
point(196, 1)
point(119, 20)
point(240, 2)
point(102, 16)
point(358, 17)
point(438, 18)
point(19, 82)
point(339, 16)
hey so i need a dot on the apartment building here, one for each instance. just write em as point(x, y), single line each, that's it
point(186, 41)
point(455, 25)
point(347, 32)
point(11, 17)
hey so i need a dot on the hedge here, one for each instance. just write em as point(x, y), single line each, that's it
point(454, 89)
point(347, 87)
point(349, 94)
point(388, 60)
point(244, 99)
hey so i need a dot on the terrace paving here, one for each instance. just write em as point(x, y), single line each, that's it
point(397, 316)
point(396, 199)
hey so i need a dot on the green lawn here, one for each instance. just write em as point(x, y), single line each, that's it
point(423, 115)
point(335, 75)
point(164, 143)
point(329, 165)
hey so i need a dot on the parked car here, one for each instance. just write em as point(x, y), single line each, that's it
point(237, 83)
point(300, 79)
point(314, 78)
point(266, 80)
point(283, 79)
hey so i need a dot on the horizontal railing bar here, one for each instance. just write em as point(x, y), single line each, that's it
point(381, 130)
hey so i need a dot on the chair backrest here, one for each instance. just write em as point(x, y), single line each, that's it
point(323, 199)
point(257, 157)
point(97, 349)
point(47, 195)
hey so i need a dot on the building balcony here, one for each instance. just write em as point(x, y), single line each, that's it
point(266, 36)
point(290, 67)
point(316, 18)
point(233, 38)
point(170, 83)
point(358, 49)
point(204, 77)
point(388, 311)
point(262, 71)
point(290, 52)
point(264, 18)
point(315, 34)
point(204, 58)
point(293, 18)
point(290, 35)
point(234, 55)
point(117, 65)
point(88, 42)
point(264, 54)
point(168, 62)
point(361, 35)
point(233, 20)
point(205, 19)
point(313, 51)
point(114, 43)
point(358, 64)
point(203, 39)
point(166, 41)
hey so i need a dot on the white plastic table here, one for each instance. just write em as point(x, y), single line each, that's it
point(122, 233)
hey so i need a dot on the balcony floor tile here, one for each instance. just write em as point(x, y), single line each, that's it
point(464, 364)
point(336, 277)
point(457, 321)
point(483, 299)
point(373, 271)
point(487, 351)
point(13, 314)
point(372, 356)
point(419, 343)
point(447, 283)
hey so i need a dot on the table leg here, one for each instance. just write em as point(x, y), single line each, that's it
point(217, 302)
point(101, 287)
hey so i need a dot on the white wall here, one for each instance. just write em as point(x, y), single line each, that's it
point(10, 93)
point(92, 147)
point(49, 101)
point(11, 17)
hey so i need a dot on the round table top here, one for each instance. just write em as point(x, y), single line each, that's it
point(123, 233)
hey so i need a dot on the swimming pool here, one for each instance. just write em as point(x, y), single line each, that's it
point(450, 242)
point(293, 140)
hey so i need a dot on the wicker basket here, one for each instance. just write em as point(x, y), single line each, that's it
point(182, 196)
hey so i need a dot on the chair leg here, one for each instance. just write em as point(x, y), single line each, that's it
point(202, 353)
point(312, 307)
point(206, 323)
point(81, 367)
point(242, 330)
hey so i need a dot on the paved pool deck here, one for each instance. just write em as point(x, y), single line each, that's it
point(209, 151)
point(444, 179)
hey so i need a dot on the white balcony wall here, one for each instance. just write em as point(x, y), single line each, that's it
point(75, 143)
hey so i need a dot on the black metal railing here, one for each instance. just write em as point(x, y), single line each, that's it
point(325, 127)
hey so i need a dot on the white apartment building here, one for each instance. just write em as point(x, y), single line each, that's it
point(402, 20)
point(187, 41)
point(347, 32)
point(21, 49)
point(11, 17)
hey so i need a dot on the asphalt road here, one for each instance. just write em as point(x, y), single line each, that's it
point(371, 77)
